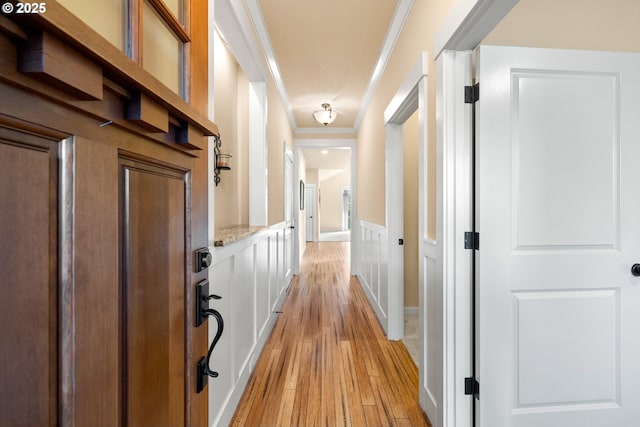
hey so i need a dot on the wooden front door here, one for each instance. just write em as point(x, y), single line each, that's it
point(29, 271)
point(96, 319)
point(155, 278)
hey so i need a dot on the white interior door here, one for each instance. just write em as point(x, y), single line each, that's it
point(559, 222)
point(310, 212)
point(288, 260)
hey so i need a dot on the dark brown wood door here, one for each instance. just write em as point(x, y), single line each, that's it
point(97, 284)
point(28, 280)
point(154, 218)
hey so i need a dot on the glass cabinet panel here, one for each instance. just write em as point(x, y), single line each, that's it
point(106, 17)
point(163, 51)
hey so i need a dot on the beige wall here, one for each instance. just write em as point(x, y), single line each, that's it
point(589, 24)
point(231, 115)
point(231, 108)
point(416, 37)
point(331, 201)
point(411, 236)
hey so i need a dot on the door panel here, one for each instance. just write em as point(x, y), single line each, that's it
point(310, 212)
point(558, 213)
point(29, 282)
point(154, 287)
point(287, 261)
point(580, 116)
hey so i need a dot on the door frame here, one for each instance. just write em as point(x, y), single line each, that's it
point(320, 143)
point(466, 25)
point(311, 187)
point(409, 98)
point(290, 206)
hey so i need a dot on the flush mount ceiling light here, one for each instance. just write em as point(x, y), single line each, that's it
point(325, 116)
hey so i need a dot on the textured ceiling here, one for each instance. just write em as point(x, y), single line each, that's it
point(326, 52)
point(334, 158)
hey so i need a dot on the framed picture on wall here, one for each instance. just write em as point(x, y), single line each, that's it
point(301, 195)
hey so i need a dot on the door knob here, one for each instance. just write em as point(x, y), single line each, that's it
point(635, 269)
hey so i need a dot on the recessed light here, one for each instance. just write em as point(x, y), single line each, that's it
point(325, 152)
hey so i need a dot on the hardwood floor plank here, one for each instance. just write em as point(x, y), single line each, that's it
point(299, 416)
point(286, 408)
point(327, 410)
point(327, 361)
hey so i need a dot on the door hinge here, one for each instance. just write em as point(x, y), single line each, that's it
point(472, 94)
point(472, 387)
point(471, 240)
point(401, 242)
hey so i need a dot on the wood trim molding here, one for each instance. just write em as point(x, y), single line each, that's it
point(48, 59)
point(115, 64)
point(67, 281)
point(171, 20)
point(11, 29)
point(468, 23)
point(405, 101)
point(147, 114)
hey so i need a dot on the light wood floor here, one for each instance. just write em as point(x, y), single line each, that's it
point(327, 362)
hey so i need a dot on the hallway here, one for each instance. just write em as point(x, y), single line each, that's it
point(327, 361)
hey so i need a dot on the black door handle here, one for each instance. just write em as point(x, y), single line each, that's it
point(202, 312)
point(203, 369)
point(635, 269)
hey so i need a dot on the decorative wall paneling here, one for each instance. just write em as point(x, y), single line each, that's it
point(373, 267)
point(64, 198)
point(430, 364)
point(250, 276)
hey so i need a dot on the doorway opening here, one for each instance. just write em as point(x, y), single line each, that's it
point(327, 175)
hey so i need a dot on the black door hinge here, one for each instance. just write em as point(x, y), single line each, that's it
point(472, 387)
point(471, 240)
point(472, 94)
point(401, 242)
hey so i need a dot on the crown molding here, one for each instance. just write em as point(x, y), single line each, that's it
point(468, 23)
point(255, 14)
point(324, 130)
point(400, 16)
point(236, 32)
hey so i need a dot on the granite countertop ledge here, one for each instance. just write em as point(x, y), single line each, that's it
point(233, 233)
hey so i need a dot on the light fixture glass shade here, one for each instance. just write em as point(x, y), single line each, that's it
point(325, 116)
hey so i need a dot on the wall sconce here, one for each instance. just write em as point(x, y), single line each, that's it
point(223, 160)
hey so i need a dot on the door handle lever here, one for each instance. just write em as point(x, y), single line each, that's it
point(202, 302)
point(203, 311)
point(203, 369)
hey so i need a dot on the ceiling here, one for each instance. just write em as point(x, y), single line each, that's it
point(336, 158)
point(332, 51)
point(326, 52)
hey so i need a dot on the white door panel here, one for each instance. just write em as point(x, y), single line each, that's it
point(559, 217)
point(287, 265)
point(310, 212)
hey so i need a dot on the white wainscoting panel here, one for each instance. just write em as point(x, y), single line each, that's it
point(249, 275)
point(372, 267)
point(431, 330)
